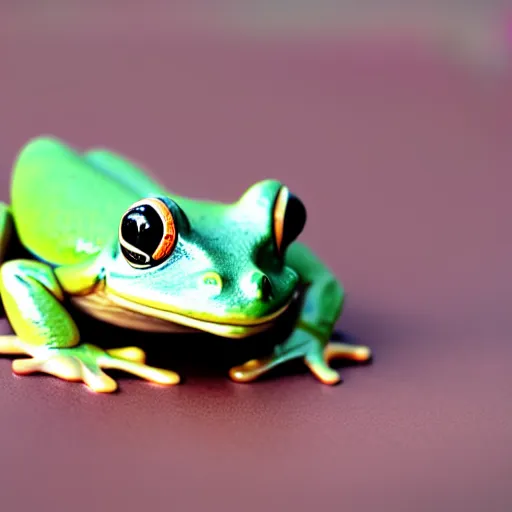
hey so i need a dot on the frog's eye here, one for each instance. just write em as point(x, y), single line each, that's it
point(147, 233)
point(289, 219)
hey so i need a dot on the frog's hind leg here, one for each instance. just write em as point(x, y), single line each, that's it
point(9, 344)
point(125, 171)
point(6, 229)
point(44, 330)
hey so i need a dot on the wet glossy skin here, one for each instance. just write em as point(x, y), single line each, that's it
point(128, 252)
point(224, 268)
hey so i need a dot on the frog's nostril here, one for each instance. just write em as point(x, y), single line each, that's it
point(266, 288)
point(263, 286)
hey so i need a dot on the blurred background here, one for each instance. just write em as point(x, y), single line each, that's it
point(393, 123)
point(216, 95)
point(387, 119)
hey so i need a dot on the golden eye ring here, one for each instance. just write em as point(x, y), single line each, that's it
point(147, 233)
point(289, 219)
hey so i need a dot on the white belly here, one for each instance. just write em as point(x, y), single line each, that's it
point(99, 306)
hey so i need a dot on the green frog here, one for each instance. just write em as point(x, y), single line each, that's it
point(105, 236)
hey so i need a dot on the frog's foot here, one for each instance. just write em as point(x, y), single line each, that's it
point(85, 363)
point(319, 363)
point(315, 354)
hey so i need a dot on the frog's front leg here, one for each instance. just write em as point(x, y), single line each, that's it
point(43, 329)
point(310, 340)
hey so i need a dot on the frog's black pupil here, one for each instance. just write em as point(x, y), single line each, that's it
point(142, 227)
point(294, 220)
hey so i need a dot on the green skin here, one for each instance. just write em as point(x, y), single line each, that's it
point(66, 208)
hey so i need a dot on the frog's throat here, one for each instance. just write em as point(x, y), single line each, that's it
point(107, 306)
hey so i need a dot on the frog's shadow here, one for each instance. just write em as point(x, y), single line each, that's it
point(201, 355)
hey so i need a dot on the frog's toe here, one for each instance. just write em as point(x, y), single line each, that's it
point(359, 353)
point(321, 369)
point(9, 344)
point(63, 367)
point(246, 372)
point(132, 359)
point(134, 354)
point(251, 370)
point(97, 380)
point(149, 373)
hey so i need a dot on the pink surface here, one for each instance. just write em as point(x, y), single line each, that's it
point(403, 160)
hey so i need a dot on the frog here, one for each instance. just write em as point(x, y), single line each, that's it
point(104, 236)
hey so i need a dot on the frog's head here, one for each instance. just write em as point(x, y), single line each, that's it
point(213, 267)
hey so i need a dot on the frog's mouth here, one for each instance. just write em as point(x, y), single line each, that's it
point(144, 317)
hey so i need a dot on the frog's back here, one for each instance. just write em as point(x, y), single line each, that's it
point(65, 206)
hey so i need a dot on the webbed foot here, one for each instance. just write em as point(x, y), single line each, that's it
point(85, 363)
point(316, 355)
